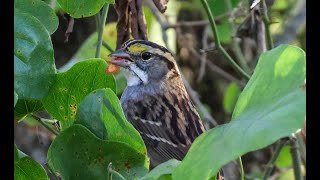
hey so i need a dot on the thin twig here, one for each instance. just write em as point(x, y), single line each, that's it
point(217, 69)
point(296, 161)
point(52, 172)
point(241, 168)
point(194, 96)
point(69, 29)
point(235, 42)
point(44, 124)
point(203, 56)
point(106, 45)
point(267, 23)
point(102, 23)
point(218, 44)
point(275, 155)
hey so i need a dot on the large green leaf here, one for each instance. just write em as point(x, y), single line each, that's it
point(15, 96)
point(34, 69)
point(102, 114)
point(76, 153)
point(82, 8)
point(270, 107)
point(72, 86)
point(39, 10)
point(25, 107)
point(26, 168)
point(16, 154)
point(162, 171)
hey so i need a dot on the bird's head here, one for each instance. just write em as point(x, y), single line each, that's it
point(144, 62)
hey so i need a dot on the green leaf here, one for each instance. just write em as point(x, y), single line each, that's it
point(230, 97)
point(16, 154)
point(15, 95)
point(102, 114)
point(270, 107)
point(34, 69)
point(26, 168)
point(76, 153)
point(72, 86)
point(162, 171)
point(82, 8)
point(284, 159)
point(25, 107)
point(39, 10)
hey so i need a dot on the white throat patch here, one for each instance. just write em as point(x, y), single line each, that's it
point(135, 76)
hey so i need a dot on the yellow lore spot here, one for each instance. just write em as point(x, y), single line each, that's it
point(137, 48)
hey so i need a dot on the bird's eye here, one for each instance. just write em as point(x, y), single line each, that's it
point(146, 55)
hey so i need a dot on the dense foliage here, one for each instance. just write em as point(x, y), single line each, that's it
point(95, 141)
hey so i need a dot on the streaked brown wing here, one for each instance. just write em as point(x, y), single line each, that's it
point(168, 124)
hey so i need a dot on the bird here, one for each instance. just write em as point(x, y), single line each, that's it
point(156, 101)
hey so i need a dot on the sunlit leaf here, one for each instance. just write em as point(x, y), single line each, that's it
point(72, 86)
point(270, 107)
point(82, 8)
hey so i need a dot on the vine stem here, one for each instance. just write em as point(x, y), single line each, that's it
point(101, 23)
point(235, 44)
point(111, 171)
point(296, 161)
point(270, 164)
point(241, 168)
point(44, 124)
point(218, 43)
point(266, 21)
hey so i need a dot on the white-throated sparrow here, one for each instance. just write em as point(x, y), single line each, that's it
point(156, 101)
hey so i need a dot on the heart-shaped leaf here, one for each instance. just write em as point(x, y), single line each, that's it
point(102, 114)
point(34, 69)
point(270, 107)
point(25, 107)
point(39, 10)
point(76, 153)
point(26, 168)
point(72, 86)
point(82, 8)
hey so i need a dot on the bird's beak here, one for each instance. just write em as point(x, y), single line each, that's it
point(121, 58)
